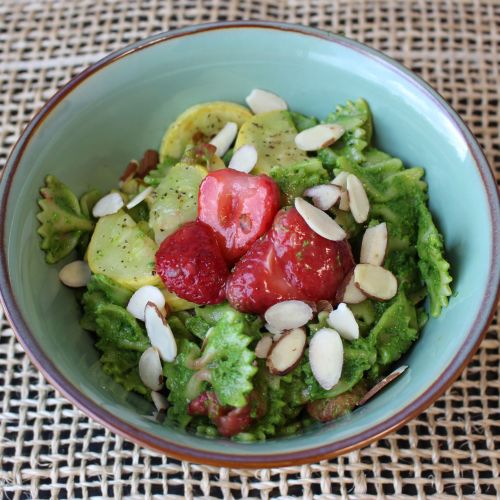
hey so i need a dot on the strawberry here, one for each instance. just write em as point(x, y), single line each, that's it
point(191, 265)
point(229, 421)
point(310, 262)
point(234, 422)
point(258, 281)
point(290, 262)
point(206, 404)
point(239, 208)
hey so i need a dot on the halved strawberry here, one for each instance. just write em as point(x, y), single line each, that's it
point(229, 421)
point(239, 207)
point(191, 265)
point(311, 263)
point(258, 281)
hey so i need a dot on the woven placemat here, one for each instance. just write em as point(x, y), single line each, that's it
point(49, 449)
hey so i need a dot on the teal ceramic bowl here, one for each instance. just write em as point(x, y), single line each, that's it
point(120, 106)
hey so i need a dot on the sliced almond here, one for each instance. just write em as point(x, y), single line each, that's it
point(343, 321)
point(287, 352)
point(348, 292)
point(150, 369)
point(375, 281)
point(244, 159)
point(107, 205)
point(383, 383)
point(276, 334)
point(159, 332)
point(318, 137)
point(341, 180)
point(129, 171)
point(288, 314)
point(272, 330)
point(312, 305)
point(75, 274)
point(324, 306)
point(140, 197)
point(324, 196)
point(159, 400)
point(223, 140)
point(326, 356)
point(141, 297)
point(149, 161)
point(262, 101)
point(205, 339)
point(344, 201)
point(374, 245)
point(358, 201)
point(319, 221)
point(263, 346)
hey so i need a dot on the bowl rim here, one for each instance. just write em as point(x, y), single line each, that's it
point(174, 449)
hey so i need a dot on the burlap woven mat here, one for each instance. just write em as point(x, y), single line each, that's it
point(49, 449)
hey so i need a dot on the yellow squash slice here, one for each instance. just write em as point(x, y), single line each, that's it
point(175, 199)
point(121, 251)
point(203, 119)
point(273, 135)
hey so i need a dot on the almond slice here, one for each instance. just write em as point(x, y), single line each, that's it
point(343, 321)
point(129, 171)
point(272, 330)
point(262, 101)
point(380, 385)
point(324, 196)
point(141, 297)
point(150, 369)
point(263, 346)
point(288, 314)
point(324, 305)
point(374, 245)
point(244, 159)
point(358, 201)
point(75, 274)
point(223, 140)
point(107, 205)
point(319, 136)
point(159, 332)
point(140, 197)
point(375, 281)
point(348, 292)
point(341, 180)
point(344, 201)
point(319, 221)
point(287, 352)
point(326, 356)
point(205, 339)
point(159, 400)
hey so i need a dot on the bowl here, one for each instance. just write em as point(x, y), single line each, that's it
point(121, 106)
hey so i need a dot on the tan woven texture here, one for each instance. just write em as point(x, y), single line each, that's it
point(49, 449)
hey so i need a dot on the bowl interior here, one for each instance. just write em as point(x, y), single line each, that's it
point(124, 108)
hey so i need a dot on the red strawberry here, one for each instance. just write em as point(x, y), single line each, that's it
point(229, 421)
point(310, 262)
point(290, 262)
point(234, 422)
point(191, 265)
point(258, 281)
point(206, 404)
point(239, 208)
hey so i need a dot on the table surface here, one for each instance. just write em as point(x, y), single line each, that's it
point(49, 449)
